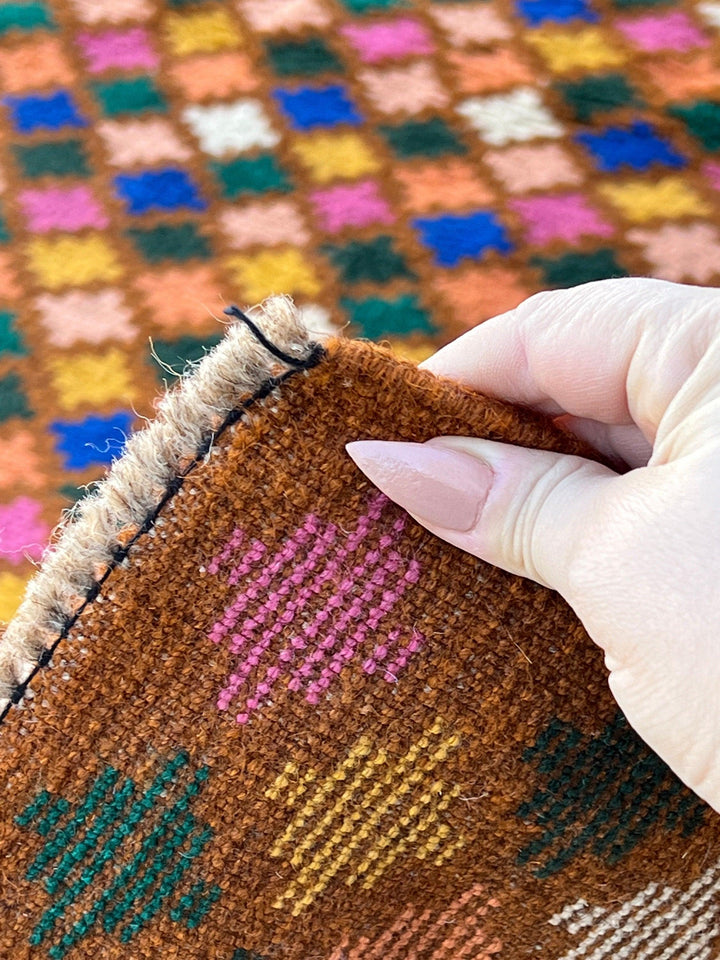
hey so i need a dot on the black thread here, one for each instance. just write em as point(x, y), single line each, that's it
point(92, 592)
point(173, 486)
point(236, 312)
point(313, 358)
point(118, 555)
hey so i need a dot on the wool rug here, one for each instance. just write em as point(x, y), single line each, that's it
point(252, 710)
point(403, 168)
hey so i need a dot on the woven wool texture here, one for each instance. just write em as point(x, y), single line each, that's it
point(403, 168)
point(291, 723)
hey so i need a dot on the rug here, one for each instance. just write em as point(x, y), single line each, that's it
point(253, 710)
point(403, 168)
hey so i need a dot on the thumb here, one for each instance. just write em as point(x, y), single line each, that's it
point(516, 508)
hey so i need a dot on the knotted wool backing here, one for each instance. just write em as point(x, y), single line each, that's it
point(255, 711)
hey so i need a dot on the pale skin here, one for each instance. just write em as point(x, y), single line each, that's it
point(633, 366)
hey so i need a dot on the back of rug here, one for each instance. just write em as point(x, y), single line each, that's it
point(255, 711)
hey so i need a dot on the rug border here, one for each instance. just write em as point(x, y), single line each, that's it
point(96, 534)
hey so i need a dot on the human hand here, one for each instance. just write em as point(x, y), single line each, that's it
point(632, 366)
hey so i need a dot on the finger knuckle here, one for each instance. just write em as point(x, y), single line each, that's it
point(534, 531)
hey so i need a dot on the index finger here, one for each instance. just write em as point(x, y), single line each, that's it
point(614, 351)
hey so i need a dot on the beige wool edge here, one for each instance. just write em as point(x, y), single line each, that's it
point(187, 416)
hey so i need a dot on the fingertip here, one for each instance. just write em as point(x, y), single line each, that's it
point(446, 361)
point(444, 485)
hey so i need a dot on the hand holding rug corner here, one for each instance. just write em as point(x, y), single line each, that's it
point(254, 711)
point(250, 707)
point(633, 366)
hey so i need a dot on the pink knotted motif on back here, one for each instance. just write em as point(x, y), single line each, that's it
point(368, 575)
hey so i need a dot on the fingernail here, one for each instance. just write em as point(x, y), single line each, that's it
point(446, 488)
